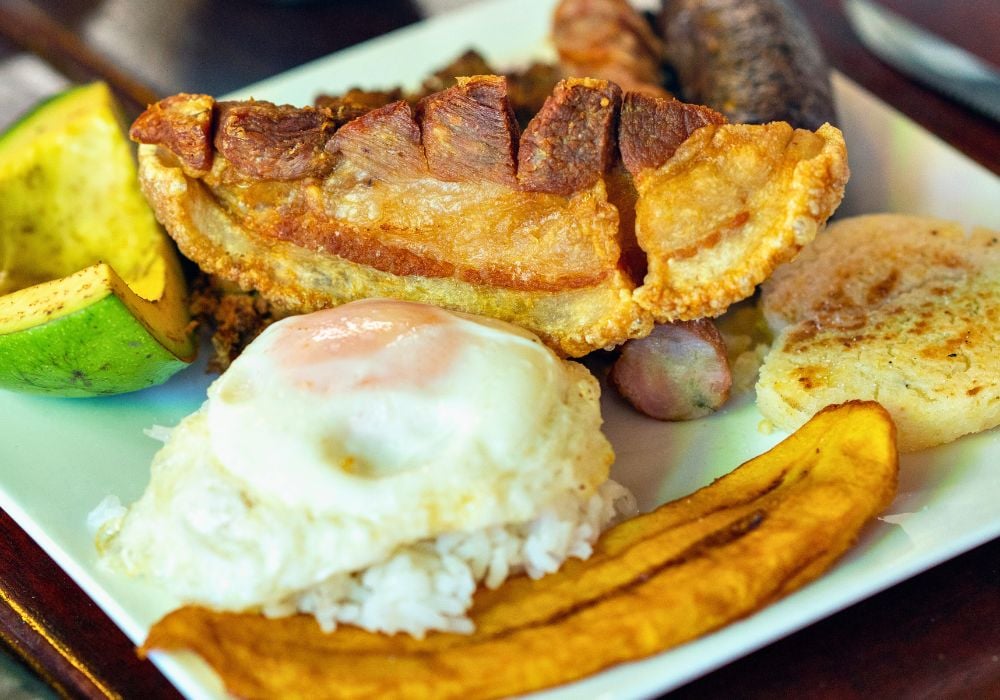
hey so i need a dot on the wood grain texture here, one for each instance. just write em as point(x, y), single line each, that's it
point(49, 621)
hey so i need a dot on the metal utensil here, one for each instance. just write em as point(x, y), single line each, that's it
point(927, 58)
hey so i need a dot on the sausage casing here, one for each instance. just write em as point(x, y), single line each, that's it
point(756, 61)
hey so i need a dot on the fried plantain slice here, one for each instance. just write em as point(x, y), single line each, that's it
point(689, 567)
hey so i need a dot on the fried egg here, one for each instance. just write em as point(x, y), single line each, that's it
point(339, 438)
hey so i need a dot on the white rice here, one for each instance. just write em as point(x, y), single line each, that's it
point(160, 433)
point(429, 585)
point(425, 585)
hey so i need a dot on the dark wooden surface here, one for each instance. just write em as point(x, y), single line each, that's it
point(935, 635)
point(65, 636)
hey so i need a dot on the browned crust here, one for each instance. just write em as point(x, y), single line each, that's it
point(366, 217)
point(571, 142)
point(395, 260)
point(348, 243)
point(385, 143)
point(466, 133)
point(182, 124)
point(470, 133)
point(235, 317)
point(653, 128)
point(356, 103)
point(475, 232)
point(273, 142)
point(899, 308)
point(714, 225)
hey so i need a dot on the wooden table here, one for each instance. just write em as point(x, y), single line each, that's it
point(936, 635)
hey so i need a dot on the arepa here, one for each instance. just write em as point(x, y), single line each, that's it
point(903, 310)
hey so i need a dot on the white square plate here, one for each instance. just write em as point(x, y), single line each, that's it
point(60, 457)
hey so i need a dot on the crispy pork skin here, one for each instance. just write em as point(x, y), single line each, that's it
point(730, 205)
point(446, 203)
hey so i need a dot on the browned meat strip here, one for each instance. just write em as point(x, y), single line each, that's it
point(571, 142)
point(652, 128)
point(385, 143)
point(470, 133)
point(182, 124)
point(527, 89)
point(608, 39)
point(677, 372)
point(272, 142)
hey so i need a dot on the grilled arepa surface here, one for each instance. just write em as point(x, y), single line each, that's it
point(446, 202)
point(903, 310)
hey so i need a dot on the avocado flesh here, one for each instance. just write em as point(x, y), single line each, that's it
point(93, 298)
point(95, 341)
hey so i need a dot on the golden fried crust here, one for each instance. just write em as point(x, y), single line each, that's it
point(732, 203)
point(479, 232)
point(297, 279)
point(705, 227)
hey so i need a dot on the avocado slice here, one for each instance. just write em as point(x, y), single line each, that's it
point(92, 297)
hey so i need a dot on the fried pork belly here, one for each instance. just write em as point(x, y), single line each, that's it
point(728, 205)
point(448, 203)
point(527, 88)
